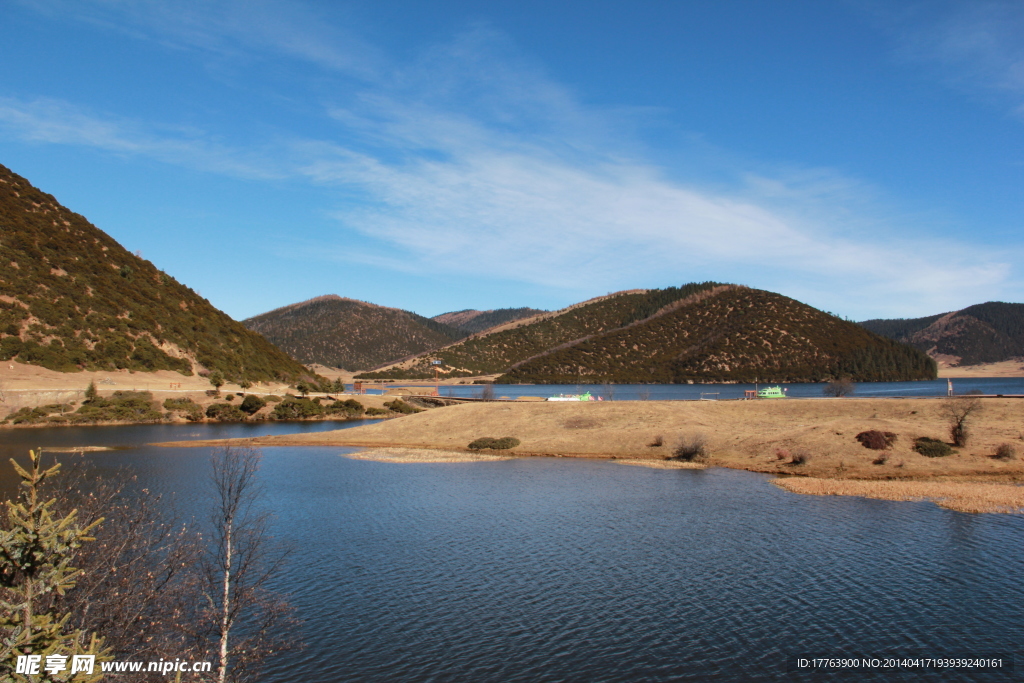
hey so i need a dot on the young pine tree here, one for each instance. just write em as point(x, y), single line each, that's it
point(37, 548)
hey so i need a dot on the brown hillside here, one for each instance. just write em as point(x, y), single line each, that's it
point(728, 334)
point(499, 348)
point(347, 333)
point(72, 298)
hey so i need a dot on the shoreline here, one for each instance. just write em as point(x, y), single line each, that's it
point(993, 498)
point(422, 455)
point(809, 440)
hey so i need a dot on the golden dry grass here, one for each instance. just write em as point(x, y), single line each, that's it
point(421, 455)
point(961, 496)
point(662, 464)
point(746, 435)
point(741, 434)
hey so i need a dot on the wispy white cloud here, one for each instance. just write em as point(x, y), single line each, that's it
point(565, 226)
point(977, 45)
point(474, 161)
point(560, 202)
point(246, 28)
point(44, 120)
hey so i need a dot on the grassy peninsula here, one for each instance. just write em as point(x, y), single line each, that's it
point(804, 440)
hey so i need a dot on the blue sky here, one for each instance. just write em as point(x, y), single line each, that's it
point(446, 155)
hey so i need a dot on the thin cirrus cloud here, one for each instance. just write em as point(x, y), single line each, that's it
point(979, 46)
point(50, 121)
point(472, 160)
point(470, 196)
point(231, 28)
point(450, 192)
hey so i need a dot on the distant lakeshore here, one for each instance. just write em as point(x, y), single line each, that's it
point(808, 440)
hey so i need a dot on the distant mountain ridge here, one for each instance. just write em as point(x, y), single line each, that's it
point(984, 333)
point(698, 332)
point(496, 349)
point(472, 321)
point(72, 298)
point(348, 333)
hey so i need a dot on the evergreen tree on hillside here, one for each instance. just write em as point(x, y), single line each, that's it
point(36, 552)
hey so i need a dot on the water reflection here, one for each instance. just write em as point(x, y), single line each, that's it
point(555, 569)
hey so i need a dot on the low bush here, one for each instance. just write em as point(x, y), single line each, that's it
point(296, 409)
point(800, 457)
point(39, 414)
point(251, 404)
point(691, 449)
point(501, 444)
point(224, 412)
point(400, 406)
point(374, 412)
point(881, 459)
point(28, 416)
point(657, 441)
point(876, 440)
point(191, 410)
point(348, 408)
point(272, 399)
point(782, 454)
point(1005, 451)
point(121, 406)
point(931, 448)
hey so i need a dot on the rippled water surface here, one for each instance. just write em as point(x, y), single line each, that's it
point(655, 392)
point(567, 570)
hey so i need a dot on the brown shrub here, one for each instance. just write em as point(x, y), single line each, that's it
point(876, 440)
point(800, 457)
point(958, 410)
point(931, 448)
point(692, 449)
point(1005, 451)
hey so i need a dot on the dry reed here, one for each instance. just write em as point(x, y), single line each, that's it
point(963, 497)
point(662, 464)
point(421, 455)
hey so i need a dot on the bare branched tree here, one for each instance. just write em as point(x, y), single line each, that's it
point(138, 584)
point(156, 589)
point(838, 387)
point(957, 410)
point(245, 622)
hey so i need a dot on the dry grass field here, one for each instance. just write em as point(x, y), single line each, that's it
point(756, 435)
point(812, 440)
point(961, 496)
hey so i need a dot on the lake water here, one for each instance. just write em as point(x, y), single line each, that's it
point(552, 569)
point(655, 392)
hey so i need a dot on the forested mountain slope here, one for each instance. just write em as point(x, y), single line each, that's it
point(983, 333)
point(72, 298)
point(350, 334)
point(497, 349)
point(472, 321)
point(735, 334)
